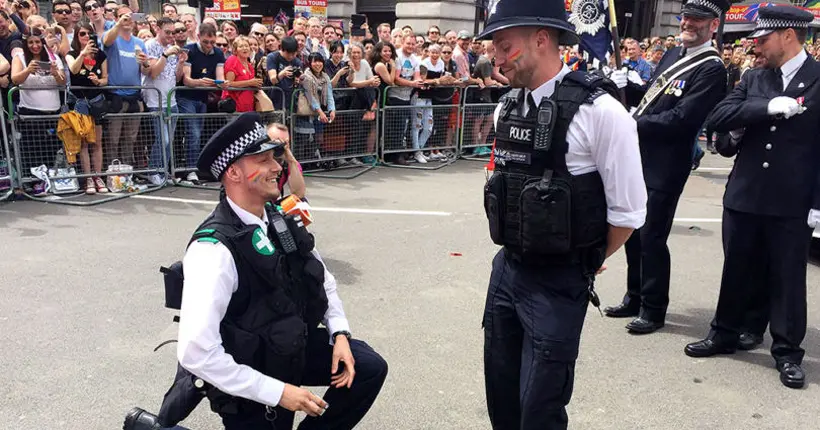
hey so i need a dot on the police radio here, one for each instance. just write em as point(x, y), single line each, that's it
point(283, 233)
point(545, 124)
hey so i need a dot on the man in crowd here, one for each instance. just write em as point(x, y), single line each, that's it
point(95, 13)
point(433, 34)
point(283, 69)
point(384, 33)
point(406, 80)
point(76, 13)
point(61, 11)
point(655, 54)
point(169, 11)
point(688, 82)
point(180, 34)
point(126, 65)
point(190, 27)
point(205, 64)
point(772, 199)
point(166, 61)
point(635, 60)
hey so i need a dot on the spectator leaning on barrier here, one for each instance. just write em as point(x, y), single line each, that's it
point(291, 169)
point(282, 66)
point(126, 65)
point(319, 94)
point(89, 68)
point(361, 77)
point(36, 67)
point(407, 79)
point(338, 70)
point(239, 73)
point(167, 62)
point(205, 64)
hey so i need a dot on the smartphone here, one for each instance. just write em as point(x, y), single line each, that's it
point(219, 81)
point(137, 16)
point(358, 20)
point(185, 50)
point(44, 65)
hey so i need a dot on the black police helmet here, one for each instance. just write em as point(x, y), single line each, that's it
point(504, 14)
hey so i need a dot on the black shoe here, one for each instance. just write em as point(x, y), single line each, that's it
point(696, 162)
point(643, 326)
point(622, 311)
point(139, 419)
point(711, 148)
point(707, 348)
point(791, 375)
point(748, 341)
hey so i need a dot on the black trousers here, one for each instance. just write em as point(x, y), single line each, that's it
point(782, 245)
point(647, 257)
point(346, 407)
point(532, 328)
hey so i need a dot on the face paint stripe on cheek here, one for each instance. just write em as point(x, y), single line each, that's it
point(516, 55)
point(253, 177)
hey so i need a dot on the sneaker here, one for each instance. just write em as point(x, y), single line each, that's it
point(436, 156)
point(355, 162)
point(155, 179)
point(100, 184)
point(90, 188)
point(192, 177)
point(420, 158)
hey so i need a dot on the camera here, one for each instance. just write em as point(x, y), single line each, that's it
point(297, 73)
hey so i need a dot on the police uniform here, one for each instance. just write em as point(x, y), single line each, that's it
point(673, 106)
point(772, 198)
point(255, 291)
point(567, 166)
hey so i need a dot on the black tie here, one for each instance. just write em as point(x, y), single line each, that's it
point(531, 106)
point(778, 78)
point(682, 53)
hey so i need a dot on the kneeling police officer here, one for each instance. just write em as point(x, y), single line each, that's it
point(254, 294)
point(566, 192)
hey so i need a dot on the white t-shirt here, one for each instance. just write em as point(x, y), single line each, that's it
point(437, 68)
point(42, 100)
point(166, 80)
point(364, 73)
point(407, 65)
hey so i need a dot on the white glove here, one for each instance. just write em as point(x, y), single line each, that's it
point(634, 77)
point(814, 218)
point(619, 77)
point(785, 106)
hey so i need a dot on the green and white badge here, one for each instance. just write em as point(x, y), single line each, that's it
point(261, 243)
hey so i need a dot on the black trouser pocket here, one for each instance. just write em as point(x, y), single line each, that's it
point(493, 207)
point(546, 217)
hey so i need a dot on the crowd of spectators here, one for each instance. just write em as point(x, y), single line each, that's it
point(102, 43)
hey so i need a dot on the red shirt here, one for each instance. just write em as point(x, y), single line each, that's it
point(244, 99)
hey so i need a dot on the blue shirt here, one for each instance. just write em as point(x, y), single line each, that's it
point(123, 69)
point(642, 67)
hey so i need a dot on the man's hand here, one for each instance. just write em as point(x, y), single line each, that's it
point(299, 399)
point(601, 270)
point(342, 353)
point(814, 218)
point(635, 78)
point(619, 77)
point(785, 106)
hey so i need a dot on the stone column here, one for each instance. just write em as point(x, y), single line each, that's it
point(447, 14)
point(341, 9)
point(665, 21)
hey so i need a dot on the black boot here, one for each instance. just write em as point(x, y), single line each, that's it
point(140, 419)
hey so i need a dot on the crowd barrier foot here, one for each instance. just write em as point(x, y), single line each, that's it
point(79, 198)
point(357, 170)
point(414, 165)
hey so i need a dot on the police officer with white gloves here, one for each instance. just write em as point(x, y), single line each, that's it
point(688, 82)
point(255, 291)
point(566, 192)
point(772, 199)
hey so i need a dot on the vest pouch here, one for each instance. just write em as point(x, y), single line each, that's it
point(546, 217)
point(494, 206)
point(285, 343)
point(243, 345)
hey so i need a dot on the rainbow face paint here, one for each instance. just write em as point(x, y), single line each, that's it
point(516, 55)
point(254, 177)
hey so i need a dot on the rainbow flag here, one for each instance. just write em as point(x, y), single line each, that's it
point(812, 4)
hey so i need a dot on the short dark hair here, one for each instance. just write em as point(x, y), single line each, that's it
point(59, 3)
point(336, 45)
point(206, 29)
point(329, 26)
point(163, 21)
point(801, 34)
point(289, 44)
point(376, 54)
point(164, 5)
point(370, 41)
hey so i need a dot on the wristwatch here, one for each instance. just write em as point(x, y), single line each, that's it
point(342, 332)
point(164, 55)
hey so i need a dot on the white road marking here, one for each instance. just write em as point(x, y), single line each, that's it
point(313, 208)
point(697, 220)
point(713, 169)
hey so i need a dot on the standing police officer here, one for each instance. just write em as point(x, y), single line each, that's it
point(254, 294)
point(566, 193)
point(687, 83)
point(772, 199)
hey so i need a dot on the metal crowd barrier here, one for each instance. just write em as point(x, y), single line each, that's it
point(402, 119)
point(349, 142)
point(477, 130)
point(127, 142)
point(7, 171)
point(189, 132)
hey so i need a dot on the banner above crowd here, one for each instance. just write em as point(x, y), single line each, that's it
point(748, 13)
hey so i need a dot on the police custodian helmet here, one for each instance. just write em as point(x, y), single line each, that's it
point(773, 18)
point(243, 136)
point(504, 14)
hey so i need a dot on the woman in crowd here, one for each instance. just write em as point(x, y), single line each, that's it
point(319, 95)
point(239, 73)
point(89, 68)
point(451, 70)
point(383, 63)
point(145, 35)
point(280, 30)
point(223, 44)
point(365, 98)
point(271, 43)
point(230, 31)
point(143, 25)
point(339, 71)
point(254, 45)
point(36, 67)
point(430, 70)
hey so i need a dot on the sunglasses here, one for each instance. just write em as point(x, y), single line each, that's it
point(446, 52)
point(179, 31)
point(63, 11)
point(258, 34)
point(221, 45)
point(90, 7)
point(82, 34)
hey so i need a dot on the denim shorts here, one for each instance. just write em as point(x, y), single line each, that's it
point(83, 106)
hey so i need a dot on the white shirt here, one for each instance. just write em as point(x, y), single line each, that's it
point(789, 68)
point(210, 281)
point(603, 136)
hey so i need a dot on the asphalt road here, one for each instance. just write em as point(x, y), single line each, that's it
point(82, 310)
